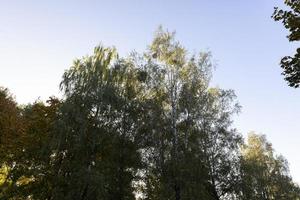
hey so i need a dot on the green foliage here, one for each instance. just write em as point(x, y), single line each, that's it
point(265, 175)
point(27, 174)
point(191, 151)
point(291, 21)
point(95, 153)
point(11, 135)
point(147, 126)
point(11, 126)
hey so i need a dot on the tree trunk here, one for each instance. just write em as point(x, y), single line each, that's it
point(177, 192)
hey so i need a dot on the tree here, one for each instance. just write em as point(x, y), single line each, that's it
point(11, 134)
point(147, 126)
point(95, 153)
point(264, 174)
point(27, 174)
point(291, 21)
point(11, 126)
point(191, 148)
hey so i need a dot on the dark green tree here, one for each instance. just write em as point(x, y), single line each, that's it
point(11, 127)
point(95, 155)
point(27, 176)
point(291, 21)
point(11, 132)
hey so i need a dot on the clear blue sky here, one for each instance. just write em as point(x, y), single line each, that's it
point(39, 40)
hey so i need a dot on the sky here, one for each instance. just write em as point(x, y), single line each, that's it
point(40, 39)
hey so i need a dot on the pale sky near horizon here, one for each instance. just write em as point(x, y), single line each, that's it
point(40, 39)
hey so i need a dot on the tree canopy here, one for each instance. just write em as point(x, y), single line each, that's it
point(145, 126)
point(264, 174)
point(291, 21)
